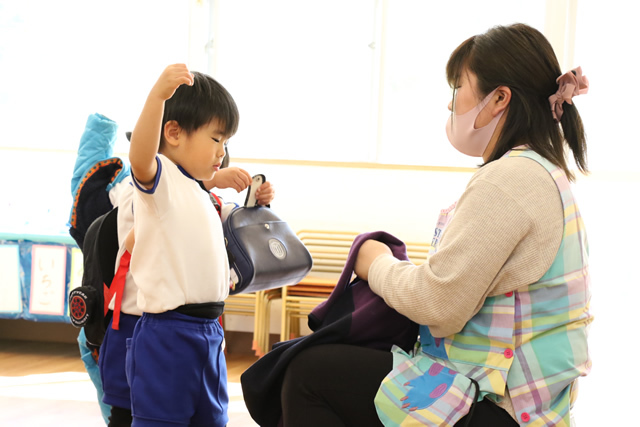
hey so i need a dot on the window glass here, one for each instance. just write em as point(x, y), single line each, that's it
point(608, 111)
point(301, 74)
point(419, 37)
point(361, 80)
point(63, 60)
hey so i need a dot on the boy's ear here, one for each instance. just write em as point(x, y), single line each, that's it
point(171, 132)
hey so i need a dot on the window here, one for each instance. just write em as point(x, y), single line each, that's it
point(301, 74)
point(61, 61)
point(418, 38)
point(356, 81)
point(602, 47)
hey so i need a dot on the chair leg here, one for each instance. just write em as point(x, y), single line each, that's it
point(294, 328)
point(267, 323)
point(258, 324)
point(284, 327)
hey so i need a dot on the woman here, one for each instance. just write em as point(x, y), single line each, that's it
point(503, 301)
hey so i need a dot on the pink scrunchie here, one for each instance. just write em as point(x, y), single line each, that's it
point(570, 84)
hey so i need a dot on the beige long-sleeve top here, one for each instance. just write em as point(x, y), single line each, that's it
point(505, 233)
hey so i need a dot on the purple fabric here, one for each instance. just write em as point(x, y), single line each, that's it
point(352, 314)
point(374, 324)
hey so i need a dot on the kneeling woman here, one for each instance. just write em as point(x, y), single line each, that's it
point(503, 301)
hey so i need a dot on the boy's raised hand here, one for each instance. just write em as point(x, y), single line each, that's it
point(171, 78)
point(148, 130)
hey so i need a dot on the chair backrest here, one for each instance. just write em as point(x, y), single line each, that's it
point(418, 252)
point(329, 250)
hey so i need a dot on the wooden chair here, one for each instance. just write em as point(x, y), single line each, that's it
point(329, 250)
point(240, 305)
point(258, 305)
point(262, 321)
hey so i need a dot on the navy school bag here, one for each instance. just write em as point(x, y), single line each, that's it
point(263, 250)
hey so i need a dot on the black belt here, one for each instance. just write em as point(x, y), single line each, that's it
point(206, 310)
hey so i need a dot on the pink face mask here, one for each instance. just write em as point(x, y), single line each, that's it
point(465, 137)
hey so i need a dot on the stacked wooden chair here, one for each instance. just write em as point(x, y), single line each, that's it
point(329, 250)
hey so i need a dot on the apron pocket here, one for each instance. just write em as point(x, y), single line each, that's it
point(422, 392)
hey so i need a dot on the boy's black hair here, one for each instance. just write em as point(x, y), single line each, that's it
point(196, 106)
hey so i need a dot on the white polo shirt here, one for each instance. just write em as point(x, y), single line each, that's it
point(122, 196)
point(179, 256)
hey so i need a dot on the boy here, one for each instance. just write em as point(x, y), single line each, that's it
point(113, 349)
point(175, 363)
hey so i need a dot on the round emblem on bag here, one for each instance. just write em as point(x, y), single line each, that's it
point(78, 309)
point(277, 249)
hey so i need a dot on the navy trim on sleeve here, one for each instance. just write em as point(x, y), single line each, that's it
point(155, 184)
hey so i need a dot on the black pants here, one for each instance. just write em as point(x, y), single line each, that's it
point(335, 384)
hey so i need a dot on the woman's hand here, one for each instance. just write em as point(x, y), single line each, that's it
point(368, 252)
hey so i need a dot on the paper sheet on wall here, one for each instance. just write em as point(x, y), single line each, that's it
point(10, 293)
point(77, 268)
point(48, 273)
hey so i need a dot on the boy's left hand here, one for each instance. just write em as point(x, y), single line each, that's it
point(265, 194)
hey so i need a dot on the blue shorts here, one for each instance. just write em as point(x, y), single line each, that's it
point(113, 353)
point(177, 371)
point(94, 373)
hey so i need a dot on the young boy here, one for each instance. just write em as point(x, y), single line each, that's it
point(116, 391)
point(175, 362)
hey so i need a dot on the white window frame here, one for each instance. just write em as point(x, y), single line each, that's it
point(560, 27)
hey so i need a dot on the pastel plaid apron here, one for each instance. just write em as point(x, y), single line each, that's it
point(533, 341)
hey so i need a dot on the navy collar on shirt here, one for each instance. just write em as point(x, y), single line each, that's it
point(185, 172)
point(200, 183)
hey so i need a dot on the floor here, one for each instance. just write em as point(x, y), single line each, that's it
point(45, 384)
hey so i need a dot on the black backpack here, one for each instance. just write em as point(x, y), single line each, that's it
point(88, 304)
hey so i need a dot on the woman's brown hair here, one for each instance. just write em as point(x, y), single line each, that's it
point(521, 58)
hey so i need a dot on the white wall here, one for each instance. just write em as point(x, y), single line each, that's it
point(609, 204)
point(406, 203)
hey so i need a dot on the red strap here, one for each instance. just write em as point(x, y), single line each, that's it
point(117, 287)
point(108, 295)
point(217, 202)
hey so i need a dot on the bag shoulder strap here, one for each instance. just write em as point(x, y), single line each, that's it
point(217, 203)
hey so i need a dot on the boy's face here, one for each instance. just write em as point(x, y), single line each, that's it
point(203, 151)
